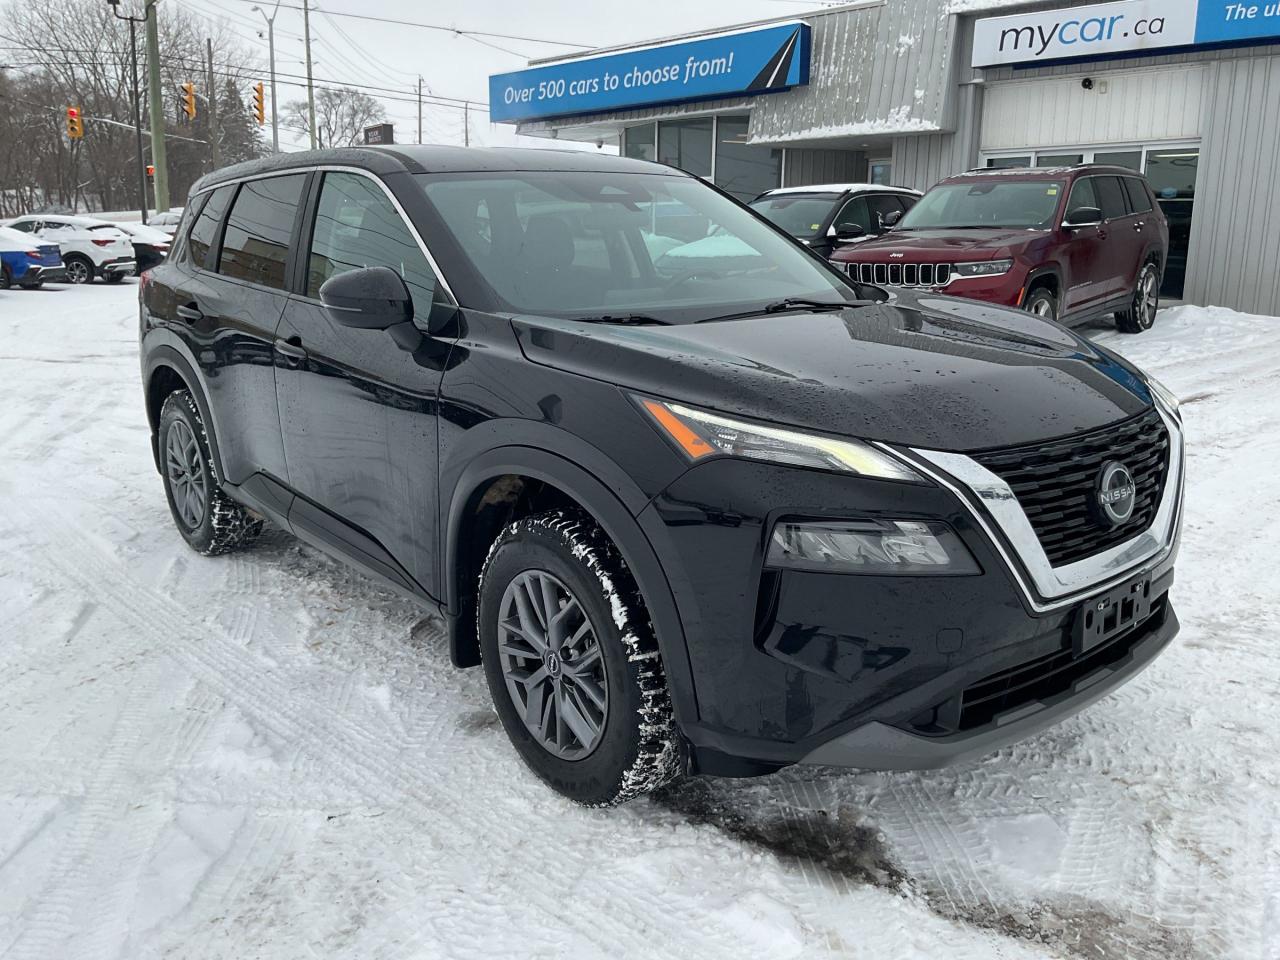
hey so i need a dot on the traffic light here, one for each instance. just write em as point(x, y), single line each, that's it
point(260, 104)
point(189, 100)
point(151, 171)
point(75, 123)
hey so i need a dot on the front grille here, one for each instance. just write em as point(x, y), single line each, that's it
point(1051, 675)
point(1055, 484)
point(901, 274)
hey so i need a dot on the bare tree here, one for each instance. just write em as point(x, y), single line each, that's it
point(75, 53)
point(341, 116)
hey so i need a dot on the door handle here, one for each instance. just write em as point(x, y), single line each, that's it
point(1139, 227)
point(189, 312)
point(291, 348)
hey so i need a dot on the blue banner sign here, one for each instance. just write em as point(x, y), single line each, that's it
point(767, 60)
point(1123, 28)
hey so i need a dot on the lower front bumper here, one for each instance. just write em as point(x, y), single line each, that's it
point(126, 267)
point(36, 274)
point(878, 746)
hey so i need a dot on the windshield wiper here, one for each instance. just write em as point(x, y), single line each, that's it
point(800, 303)
point(793, 303)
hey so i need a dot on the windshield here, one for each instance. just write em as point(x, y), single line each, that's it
point(801, 216)
point(595, 245)
point(986, 203)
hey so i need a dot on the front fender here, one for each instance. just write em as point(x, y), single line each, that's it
point(609, 496)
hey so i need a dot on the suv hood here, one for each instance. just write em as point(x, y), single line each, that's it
point(939, 245)
point(921, 370)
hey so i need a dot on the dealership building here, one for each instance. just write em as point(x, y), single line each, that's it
point(911, 91)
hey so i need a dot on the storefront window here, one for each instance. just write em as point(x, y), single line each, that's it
point(880, 172)
point(743, 170)
point(639, 142)
point(1173, 178)
point(1004, 163)
point(686, 144)
point(1059, 159)
point(1120, 158)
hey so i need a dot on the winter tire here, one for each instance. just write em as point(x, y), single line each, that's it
point(572, 661)
point(1042, 303)
point(79, 269)
point(209, 520)
point(6, 278)
point(1141, 316)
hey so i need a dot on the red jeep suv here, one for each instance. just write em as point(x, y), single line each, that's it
point(1073, 244)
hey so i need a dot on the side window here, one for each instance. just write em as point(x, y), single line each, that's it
point(259, 228)
point(1083, 195)
point(855, 213)
point(907, 202)
point(357, 226)
point(26, 226)
point(1139, 199)
point(204, 232)
point(180, 245)
point(1114, 206)
point(883, 204)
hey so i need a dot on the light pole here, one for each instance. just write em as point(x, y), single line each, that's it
point(271, 49)
point(137, 102)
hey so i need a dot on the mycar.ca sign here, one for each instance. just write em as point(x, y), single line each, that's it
point(1108, 29)
point(765, 60)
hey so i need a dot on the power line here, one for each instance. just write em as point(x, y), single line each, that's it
point(435, 26)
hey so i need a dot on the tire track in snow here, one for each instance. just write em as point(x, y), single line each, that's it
point(362, 756)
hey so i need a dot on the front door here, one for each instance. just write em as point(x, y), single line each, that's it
point(358, 409)
point(1087, 251)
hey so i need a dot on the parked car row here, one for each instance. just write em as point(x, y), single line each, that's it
point(1073, 244)
point(47, 247)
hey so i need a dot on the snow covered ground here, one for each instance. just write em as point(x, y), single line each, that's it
point(267, 756)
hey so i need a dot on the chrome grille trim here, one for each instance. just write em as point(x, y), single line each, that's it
point(896, 274)
point(1001, 517)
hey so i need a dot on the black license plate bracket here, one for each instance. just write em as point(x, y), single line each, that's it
point(1107, 616)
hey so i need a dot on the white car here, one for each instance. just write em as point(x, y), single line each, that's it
point(90, 248)
point(166, 222)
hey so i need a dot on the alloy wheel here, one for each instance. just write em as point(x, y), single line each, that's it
point(1148, 298)
point(1042, 308)
point(78, 272)
point(552, 664)
point(185, 469)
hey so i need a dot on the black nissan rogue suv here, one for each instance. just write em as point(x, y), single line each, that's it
point(695, 501)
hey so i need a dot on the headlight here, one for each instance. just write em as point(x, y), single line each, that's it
point(700, 434)
point(987, 268)
point(873, 547)
point(1165, 396)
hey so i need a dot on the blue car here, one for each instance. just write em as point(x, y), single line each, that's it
point(28, 261)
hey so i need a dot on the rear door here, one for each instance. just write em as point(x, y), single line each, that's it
point(230, 308)
point(1124, 245)
point(358, 407)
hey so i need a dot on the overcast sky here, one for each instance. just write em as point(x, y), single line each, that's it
point(383, 55)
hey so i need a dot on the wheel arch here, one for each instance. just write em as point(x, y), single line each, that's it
point(168, 370)
point(1050, 276)
point(484, 499)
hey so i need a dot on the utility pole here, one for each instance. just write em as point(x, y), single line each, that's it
point(215, 141)
point(159, 157)
point(419, 110)
point(466, 123)
point(271, 53)
point(137, 104)
point(311, 90)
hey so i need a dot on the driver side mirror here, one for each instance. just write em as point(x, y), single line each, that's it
point(891, 219)
point(1083, 217)
point(847, 233)
point(373, 298)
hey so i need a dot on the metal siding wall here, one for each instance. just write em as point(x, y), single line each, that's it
point(868, 66)
point(1233, 259)
point(805, 167)
point(1140, 106)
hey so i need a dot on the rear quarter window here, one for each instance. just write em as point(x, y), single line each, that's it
point(1139, 198)
point(204, 231)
